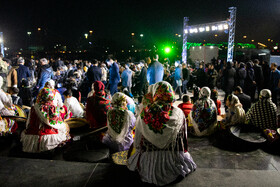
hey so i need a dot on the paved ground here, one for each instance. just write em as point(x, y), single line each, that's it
point(221, 162)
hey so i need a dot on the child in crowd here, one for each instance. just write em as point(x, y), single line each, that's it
point(16, 99)
point(214, 97)
point(73, 104)
point(25, 93)
point(186, 106)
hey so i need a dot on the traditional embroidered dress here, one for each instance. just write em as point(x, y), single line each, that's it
point(161, 140)
point(203, 116)
point(45, 129)
point(97, 106)
point(263, 114)
point(235, 114)
point(121, 122)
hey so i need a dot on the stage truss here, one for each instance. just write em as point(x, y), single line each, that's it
point(208, 27)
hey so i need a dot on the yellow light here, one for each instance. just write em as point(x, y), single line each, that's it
point(39, 29)
point(268, 39)
point(132, 34)
point(244, 37)
point(86, 35)
point(216, 35)
point(90, 31)
point(252, 40)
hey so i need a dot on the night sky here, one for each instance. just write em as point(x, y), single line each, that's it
point(67, 21)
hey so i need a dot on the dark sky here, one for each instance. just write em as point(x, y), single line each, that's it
point(65, 21)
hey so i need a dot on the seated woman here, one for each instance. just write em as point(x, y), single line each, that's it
point(6, 102)
point(121, 122)
point(161, 154)
point(73, 105)
point(214, 97)
point(97, 106)
point(45, 129)
point(203, 116)
point(263, 114)
point(235, 114)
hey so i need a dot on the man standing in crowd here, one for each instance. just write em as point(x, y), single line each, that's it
point(275, 82)
point(94, 73)
point(45, 73)
point(178, 80)
point(127, 78)
point(22, 72)
point(114, 77)
point(258, 75)
point(244, 99)
point(155, 71)
point(186, 77)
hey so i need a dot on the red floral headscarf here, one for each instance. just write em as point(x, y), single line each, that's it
point(158, 113)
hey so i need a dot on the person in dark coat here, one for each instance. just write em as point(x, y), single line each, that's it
point(266, 74)
point(143, 82)
point(94, 73)
point(258, 75)
point(250, 84)
point(229, 76)
point(212, 76)
point(241, 75)
point(244, 99)
point(22, 71)
point(186, 78)
point(274, 82)
point(201, 76)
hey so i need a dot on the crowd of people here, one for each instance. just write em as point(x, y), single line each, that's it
point(135, 100)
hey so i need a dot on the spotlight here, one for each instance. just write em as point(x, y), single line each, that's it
point(201, 29)
point(207, 28)
point(220, 27)
point(225, 26)
point(214, 28)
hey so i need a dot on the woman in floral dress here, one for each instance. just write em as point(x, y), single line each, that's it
point(45, 129)
point(161, 150)
point(120, 123)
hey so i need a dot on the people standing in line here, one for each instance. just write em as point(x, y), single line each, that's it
point(155, 71)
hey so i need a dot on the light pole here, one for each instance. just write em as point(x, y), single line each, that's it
point(2, 43)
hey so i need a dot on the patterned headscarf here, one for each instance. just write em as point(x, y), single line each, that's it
point(119, 101)
point(204, 111)
point(205, 92)
point(46, 105)
point(265, 94)
point(99, 87)
point(148, 97)
point(156, 114)
point(50, 84)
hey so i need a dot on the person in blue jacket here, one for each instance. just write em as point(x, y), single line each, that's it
point(155, 71)
point(114, 78)
point(45, 73)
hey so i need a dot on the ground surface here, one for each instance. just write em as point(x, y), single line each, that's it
point(219, 163)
